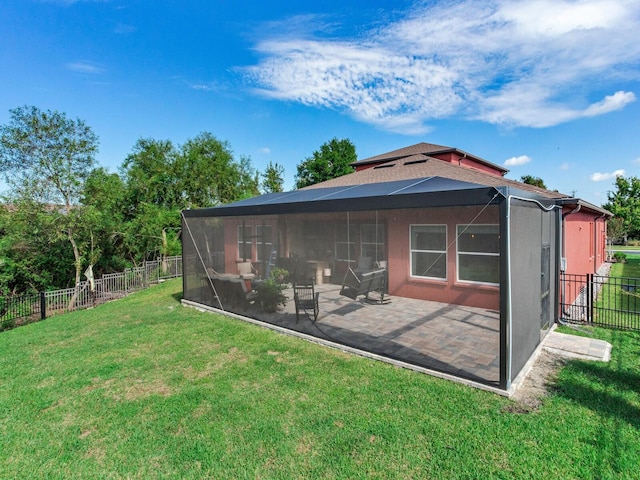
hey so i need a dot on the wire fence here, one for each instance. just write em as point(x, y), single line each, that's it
point(22, 309)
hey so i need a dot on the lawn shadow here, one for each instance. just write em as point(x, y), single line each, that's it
point(602, 390)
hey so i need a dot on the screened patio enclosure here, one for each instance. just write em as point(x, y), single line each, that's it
point(449, 276)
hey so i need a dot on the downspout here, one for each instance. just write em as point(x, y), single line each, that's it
point(595, 242)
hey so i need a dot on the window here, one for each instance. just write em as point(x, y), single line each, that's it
point(429, 251)
point(479, 253)
point(244, 242)
point(372, 241)
point(264, 242)
point(345, 242)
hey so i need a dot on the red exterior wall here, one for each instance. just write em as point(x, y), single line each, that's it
point(584, 241)
point(401, 283)
point(457, 159)
point(231, 254)
point(449, 157)
point(398, 222)
point(366, 166)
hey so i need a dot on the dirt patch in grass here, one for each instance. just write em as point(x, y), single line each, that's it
point(537, 384)
point(143, 389)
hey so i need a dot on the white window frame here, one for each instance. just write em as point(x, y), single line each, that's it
point(378, 245)
point(351, 242)
point(259, 242)
point(241, 244)
point(475, 254)
point(439, 252)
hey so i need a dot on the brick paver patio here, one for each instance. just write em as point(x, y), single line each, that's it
point(458, 340)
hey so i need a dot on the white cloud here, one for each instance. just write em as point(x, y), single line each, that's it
point(508, 62)
point(637, 161)
point(205, 87)
point(565, 166)
point(617, 101)
point(265, 150)
point(516, 161)
point(599, 177)
point(85, 67)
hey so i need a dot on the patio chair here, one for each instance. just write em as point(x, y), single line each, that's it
point(355, 284)
point(246, 270)
point(365, 264)
point(241, 293)
point(306, 298)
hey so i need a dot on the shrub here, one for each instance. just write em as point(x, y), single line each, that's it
point(7, 324)
point(620, 257)
point(270, 294)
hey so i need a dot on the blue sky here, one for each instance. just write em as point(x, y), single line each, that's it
point(546, 87)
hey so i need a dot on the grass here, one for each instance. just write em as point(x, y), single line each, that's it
point(145, 388)
point(622, 248)
point(631, 267)
point(617, 305)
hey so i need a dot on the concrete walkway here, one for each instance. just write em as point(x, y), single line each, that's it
point(573, 346)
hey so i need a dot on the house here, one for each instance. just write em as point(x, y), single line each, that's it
point(471, 259)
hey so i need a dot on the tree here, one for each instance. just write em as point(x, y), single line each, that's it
point(208, 175)
point(149, 176)
point(333, 160)
point(46, 158)
point(531, 180)
point(624, 203)
point(34, 257)
point(105, 194)
point(161, 180)
point(273, 178)
point(615, 230)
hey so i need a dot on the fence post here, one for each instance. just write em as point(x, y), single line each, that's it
point(43, 306)
point(589, 298)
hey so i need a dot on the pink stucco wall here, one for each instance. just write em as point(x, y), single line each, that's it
point(584, 242)
point(463, 161)
point(401, 283)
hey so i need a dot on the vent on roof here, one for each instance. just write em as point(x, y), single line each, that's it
point(386, 165)
point(414, 162)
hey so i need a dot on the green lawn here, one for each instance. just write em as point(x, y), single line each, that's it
point(616, 305)
point(631, 267)
point(145, 388)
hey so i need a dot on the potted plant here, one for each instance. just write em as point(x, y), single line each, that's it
point(270, 295)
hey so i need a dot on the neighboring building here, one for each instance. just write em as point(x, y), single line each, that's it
point(445, 225)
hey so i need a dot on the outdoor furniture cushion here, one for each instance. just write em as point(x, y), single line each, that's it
point(246, 270)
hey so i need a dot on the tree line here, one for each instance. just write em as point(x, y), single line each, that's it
point(63, 212)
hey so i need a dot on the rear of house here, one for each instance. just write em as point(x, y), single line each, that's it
point(470, 260)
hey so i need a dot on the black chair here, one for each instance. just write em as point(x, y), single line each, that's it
point(306, 299)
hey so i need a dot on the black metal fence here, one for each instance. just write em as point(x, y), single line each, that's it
point(19, 309)
point(612, 302)
point(28, 308)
